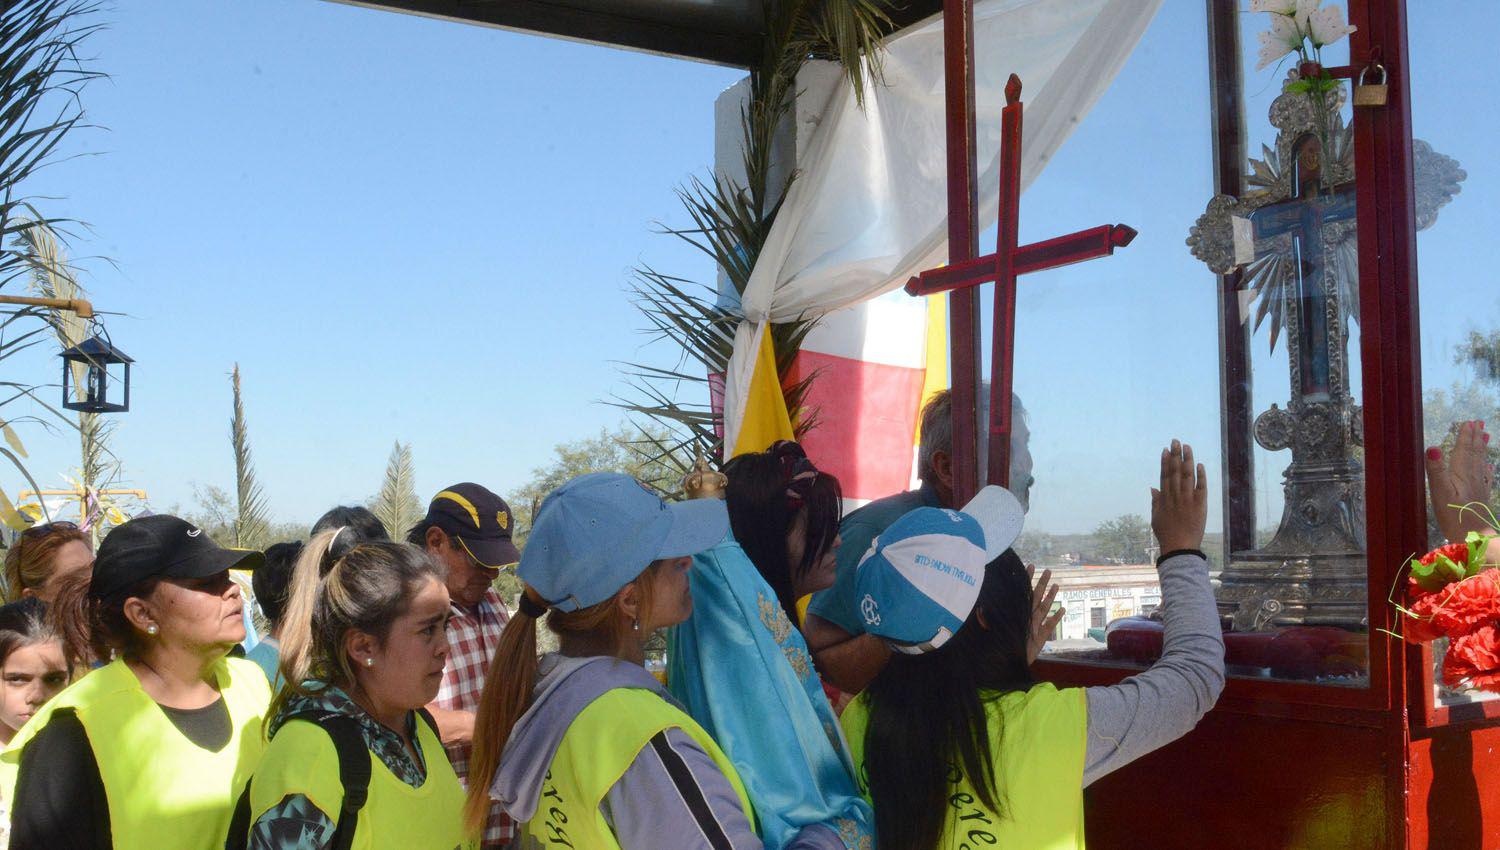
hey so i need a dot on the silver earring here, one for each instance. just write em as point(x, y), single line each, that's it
point(369, 662)
point(635, 625)
point(151, 629)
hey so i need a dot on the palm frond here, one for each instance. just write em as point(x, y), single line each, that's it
point(396, 505)
point(252, 521)
point(53, 276)
point(730, 222)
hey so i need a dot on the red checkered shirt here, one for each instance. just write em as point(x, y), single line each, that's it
point(472, 638)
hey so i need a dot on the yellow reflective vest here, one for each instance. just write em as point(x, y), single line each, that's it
point(301, 759)
point(164, 792)
point(600, 745)
point(1039, 738)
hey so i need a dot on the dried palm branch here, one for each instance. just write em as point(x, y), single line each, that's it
point(251, 521)
point(396, 505)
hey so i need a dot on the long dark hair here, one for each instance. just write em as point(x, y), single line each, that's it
point(927, 713)
point(767, 491)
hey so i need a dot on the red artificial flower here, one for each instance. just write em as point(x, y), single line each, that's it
point(1456, 610)
point(1474, 659)
point(1456, 552)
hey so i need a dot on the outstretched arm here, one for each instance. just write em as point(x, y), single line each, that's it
point(1154, 708)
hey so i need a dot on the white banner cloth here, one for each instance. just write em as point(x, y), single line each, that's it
point(869, 207)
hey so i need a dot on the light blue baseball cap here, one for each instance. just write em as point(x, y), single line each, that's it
point(596, 533)
point(920, 579)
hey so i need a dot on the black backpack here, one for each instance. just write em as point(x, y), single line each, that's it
point(354, 775)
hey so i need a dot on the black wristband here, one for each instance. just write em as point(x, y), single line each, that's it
point(1175, 552)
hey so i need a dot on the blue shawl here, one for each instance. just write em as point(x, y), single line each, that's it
point(744, 672)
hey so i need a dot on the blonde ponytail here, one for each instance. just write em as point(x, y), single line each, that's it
point(296, 621)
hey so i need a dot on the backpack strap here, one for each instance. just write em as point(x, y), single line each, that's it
point(354, 775)
point(431, 724)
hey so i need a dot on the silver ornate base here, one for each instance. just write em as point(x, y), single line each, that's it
point(1260, 591)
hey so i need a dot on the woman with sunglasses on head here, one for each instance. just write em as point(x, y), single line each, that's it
point(584, 748)
point(41, 555)
point(363, 644)
point(153, 749)
point(740, 664)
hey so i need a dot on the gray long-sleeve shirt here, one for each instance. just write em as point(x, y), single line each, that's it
point(1155, 707)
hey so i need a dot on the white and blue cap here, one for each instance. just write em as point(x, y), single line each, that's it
point(920, 579)
point(596, 533)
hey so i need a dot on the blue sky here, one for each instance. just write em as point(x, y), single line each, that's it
point(411, 229)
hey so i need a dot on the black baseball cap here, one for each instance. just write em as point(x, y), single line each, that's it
point(161, 546)
point(480, 520)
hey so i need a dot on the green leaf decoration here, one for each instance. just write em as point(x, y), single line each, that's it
point(1438, 574)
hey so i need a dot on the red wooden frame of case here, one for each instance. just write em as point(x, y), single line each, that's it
point(1395, 490)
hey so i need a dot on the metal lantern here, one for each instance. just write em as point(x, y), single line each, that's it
point(105, 365)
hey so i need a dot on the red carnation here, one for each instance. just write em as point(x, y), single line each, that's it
point(1458, 553)
point(1459, 608)
point(1474, 659)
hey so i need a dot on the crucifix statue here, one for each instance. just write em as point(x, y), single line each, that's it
point(965, 273)
point(1293, 237)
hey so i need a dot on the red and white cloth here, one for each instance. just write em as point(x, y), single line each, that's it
point(472, 638)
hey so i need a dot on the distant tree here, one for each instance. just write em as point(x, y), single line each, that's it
point(1482, 351)
point(397, 505)
point(1123, 539)
point(251, 523)
point(214, 511)
point(1035, 547)
point(627, 449)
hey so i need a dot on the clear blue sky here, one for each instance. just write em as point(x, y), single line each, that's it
point(417, 230)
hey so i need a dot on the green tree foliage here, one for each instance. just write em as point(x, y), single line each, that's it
point(214, 511)
point(1482, 351)
point(396, 505)
point(1123, 539)
point(626, 449)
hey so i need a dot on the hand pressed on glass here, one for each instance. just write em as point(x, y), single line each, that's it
point(1460, 484)
point(1043, 594)
point(1179, 509)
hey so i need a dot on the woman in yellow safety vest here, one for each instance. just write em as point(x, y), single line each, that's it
point(153, 749)
point(595, 753)
point(958, 745)
point(354, 761)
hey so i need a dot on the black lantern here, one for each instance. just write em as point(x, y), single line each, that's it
point(99, 357)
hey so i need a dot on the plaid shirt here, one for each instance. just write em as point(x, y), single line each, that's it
point(472, 638)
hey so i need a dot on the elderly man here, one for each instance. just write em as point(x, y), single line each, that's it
point(845, 655)
point(468, 528)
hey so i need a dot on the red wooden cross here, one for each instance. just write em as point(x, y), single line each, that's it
point(1002, 268)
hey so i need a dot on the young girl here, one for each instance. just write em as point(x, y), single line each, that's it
point(33, 667)
point(33, 670)
point(596, 754)
point(742, 669)
point(959, 745)
point(363, 644)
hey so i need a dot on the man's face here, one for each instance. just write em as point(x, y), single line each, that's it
point(468, 580)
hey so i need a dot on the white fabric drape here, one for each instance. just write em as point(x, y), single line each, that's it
point(869, 207)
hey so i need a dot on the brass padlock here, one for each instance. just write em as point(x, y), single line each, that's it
point(1371, 94)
